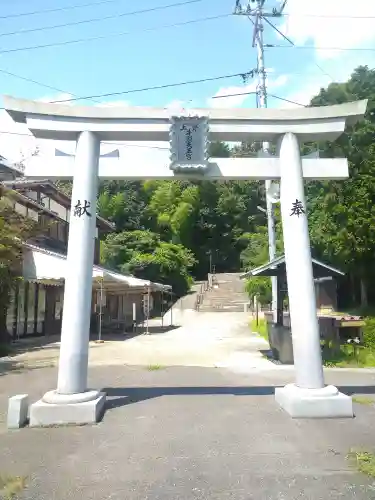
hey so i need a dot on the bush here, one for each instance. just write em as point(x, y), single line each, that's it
point(260, 328)
point(261, 287)
point(369, 332)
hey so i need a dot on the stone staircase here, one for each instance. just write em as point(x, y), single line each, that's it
point(227, 294)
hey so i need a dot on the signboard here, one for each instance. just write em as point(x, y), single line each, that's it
point(188, 143)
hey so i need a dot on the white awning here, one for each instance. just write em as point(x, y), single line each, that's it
point(44, 266)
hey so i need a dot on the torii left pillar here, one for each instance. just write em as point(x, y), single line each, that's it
point(72, 402)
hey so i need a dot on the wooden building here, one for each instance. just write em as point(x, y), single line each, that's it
point(37, 302)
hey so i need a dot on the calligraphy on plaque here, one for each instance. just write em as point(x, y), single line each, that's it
point(188, 143)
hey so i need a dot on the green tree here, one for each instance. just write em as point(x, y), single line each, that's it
point(143, 254)
point(219, 150)
point(256, 254)
point(168, 263)
point(123, 203)
point(341, 214)
point(14, 230)
point(173, 205)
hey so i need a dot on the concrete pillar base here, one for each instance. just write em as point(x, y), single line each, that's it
point(77, 409)
point(327, 402)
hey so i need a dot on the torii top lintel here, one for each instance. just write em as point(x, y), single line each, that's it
point(123, 123)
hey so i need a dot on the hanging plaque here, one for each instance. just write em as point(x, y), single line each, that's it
point(188, 143)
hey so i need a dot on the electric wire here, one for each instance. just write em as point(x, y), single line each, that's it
point(59, 9)
point(99, 19)
point(156, 87)
point(113, 35)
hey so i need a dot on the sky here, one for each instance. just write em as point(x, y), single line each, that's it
point(198, 40)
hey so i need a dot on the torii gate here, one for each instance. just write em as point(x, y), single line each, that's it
point(72, 402)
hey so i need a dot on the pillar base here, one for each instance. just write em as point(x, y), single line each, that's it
point(327, 402)
point(61, 409)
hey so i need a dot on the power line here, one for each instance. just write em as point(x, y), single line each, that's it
point(175, 25)
point(57, 89)
point(252, 93)
point(59, 9)
point(232, 95)
point(30, 80)
point(243, 75)
point(312, 47)
point(327, 16)
point(99, 19)
point(103, 2)
point(113, 35)
point(287, 100)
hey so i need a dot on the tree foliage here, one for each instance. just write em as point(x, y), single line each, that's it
point(14, 229)
point(143, 254)
point(220, 222)
point(341, 214)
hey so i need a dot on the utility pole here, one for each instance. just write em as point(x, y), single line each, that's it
point(254, 12)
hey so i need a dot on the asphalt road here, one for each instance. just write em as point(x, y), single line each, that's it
point(189, 433)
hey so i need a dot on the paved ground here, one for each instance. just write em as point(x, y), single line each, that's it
point(190, 432)
point(205, 339)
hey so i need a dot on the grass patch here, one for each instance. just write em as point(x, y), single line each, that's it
point(349, 356)
point(154, 368)
point(363, 400)
point(260, 328)
point(363, 461)
point(10, 486)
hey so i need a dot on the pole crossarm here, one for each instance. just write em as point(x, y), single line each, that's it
point(61, 122)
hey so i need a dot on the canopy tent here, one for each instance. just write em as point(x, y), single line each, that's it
point(47, 267)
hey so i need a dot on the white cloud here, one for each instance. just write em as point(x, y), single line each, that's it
point(176, 105)
point(302, 96)
point(235, 96)
point(113, 104)
point(303, 28)
point(64, 96)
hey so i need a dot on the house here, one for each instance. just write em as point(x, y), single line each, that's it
point(8, 170)
point(37, 302)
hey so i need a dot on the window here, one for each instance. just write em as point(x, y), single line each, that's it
point(61, 231)
point(58, 209)
point(21, 209)
point(11, 312)
point(21, 311)
point(31, 308)
point(41, 308)
point(33, 214)
point(31, 194)
point(45, 201)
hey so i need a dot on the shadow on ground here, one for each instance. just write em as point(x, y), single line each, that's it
point(12, 366)
point(154, 330)
point(123, 396)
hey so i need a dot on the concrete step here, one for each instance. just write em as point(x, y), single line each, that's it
point(229, 296)
point(221, 309)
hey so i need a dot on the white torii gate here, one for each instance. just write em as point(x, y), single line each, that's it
point(72, 402)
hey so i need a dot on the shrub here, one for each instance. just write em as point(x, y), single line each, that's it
point(369, 333)
point(260, 328)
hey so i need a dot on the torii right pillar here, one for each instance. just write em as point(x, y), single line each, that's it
point(309, 397)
